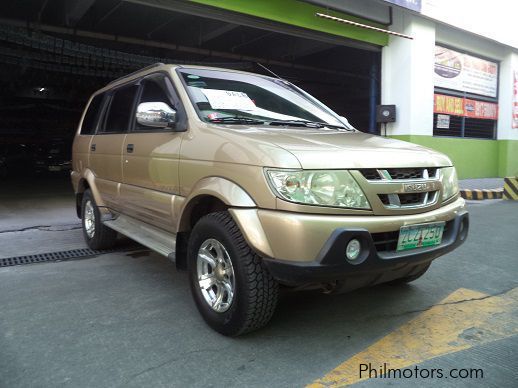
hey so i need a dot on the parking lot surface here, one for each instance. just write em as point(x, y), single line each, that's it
point(127, 319)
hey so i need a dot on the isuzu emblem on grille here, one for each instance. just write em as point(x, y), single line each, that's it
point(417, 187)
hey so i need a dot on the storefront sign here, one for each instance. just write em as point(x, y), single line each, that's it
point(463, 72)
point(466, 107)
point(448, 104)
point(515, 100)
point(480, 109)
point(443, 121)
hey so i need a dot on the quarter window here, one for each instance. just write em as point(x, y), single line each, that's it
point(92, 114)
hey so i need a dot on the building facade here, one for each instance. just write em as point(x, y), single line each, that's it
point(454, 90)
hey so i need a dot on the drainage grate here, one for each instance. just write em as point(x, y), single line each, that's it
point(56, 256)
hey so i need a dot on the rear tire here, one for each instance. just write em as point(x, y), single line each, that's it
point(96, 234)
point(411, 278)
point(232, 289)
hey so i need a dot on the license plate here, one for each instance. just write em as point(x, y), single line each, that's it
point(418, 236)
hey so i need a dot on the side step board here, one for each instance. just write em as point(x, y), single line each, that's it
point(147, 235)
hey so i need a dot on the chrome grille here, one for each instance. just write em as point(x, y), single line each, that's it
point(404, 188)
point(372, 174)
point(410, 199)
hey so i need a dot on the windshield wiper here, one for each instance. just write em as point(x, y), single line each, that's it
point(304, 123)
point(235, 120)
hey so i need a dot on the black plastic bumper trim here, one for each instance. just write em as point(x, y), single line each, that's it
point(331, 264)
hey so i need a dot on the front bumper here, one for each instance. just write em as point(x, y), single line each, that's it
point(372, 266)
point(300, 247)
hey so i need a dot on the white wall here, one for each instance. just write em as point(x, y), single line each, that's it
point(469, 42)
point(407, 68)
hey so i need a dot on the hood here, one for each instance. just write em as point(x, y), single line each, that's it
point(324, 149)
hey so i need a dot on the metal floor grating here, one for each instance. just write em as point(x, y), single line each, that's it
point(56, 256)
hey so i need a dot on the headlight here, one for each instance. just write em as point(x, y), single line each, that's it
point(450, 184)
point(312, 187)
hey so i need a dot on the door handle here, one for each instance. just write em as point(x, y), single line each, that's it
point(130, 148)
point(92, 147)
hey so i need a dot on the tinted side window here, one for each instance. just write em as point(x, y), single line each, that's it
point(92, 114)
point(120, 111)
point(155, 89)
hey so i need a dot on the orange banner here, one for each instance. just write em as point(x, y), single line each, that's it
point(448, 104)
point(459, 106)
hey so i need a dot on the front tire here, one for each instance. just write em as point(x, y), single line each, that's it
point(233, 291)
point(96, 234)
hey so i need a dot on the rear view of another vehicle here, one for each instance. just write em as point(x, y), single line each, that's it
point(53, 158)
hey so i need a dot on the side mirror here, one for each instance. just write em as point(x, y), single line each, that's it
point(155, 115)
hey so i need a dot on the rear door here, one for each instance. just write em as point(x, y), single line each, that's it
point(81, 145)
point(106, 146)
point(151, 160)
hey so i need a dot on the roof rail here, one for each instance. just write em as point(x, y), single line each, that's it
point(137, 71)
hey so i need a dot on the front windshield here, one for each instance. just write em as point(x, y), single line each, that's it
point(236, 98)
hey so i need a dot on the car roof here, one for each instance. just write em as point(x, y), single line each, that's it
point(160, 67)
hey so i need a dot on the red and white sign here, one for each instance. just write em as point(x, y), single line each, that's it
point(458, 106)
point(480, 109)
point(515, 100)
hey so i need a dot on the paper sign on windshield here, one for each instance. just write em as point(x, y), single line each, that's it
point(228, 99)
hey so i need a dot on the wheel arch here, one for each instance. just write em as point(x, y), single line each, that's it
point(209, 195)
point(217, 192)
point(86, 181)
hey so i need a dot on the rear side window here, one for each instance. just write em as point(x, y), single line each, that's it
point(92, 114)
point(120, 111)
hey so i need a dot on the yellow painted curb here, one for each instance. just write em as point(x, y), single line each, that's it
point(481, 194)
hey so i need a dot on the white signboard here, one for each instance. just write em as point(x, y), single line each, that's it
point(453, 70)
point(443, 121)
point(228, 99)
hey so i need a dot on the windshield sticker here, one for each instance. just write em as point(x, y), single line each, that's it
point(227, 99)
point(213, 116)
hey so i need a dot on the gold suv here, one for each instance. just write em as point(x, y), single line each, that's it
point(250, 183)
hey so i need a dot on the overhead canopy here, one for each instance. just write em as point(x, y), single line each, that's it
point(288, 12)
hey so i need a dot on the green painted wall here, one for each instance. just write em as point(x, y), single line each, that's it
point(474, 158)
point(508, 158)
point(302, 15)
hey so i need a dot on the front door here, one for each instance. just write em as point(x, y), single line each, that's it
point(106, 146)
point(151, 160)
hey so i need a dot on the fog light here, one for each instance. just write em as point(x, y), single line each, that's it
point(352, 251)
